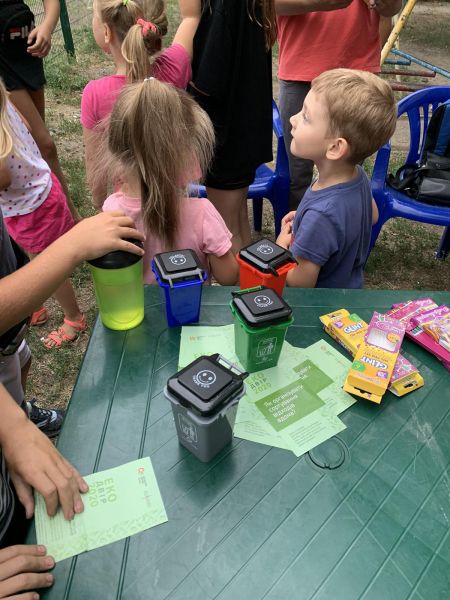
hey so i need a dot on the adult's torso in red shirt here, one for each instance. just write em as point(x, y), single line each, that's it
point(315, 42)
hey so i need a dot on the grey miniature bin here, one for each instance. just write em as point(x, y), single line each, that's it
point(204, 397)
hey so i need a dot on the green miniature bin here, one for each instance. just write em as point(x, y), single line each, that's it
point(261, 320)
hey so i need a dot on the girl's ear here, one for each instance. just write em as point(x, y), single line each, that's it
point(339, 148)
point(107, 32)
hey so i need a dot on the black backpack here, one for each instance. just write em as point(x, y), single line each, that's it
point(16, 22)
point(429, 180)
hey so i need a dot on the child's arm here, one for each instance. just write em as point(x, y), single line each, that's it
point(5, 176)
point(22, 291)
point(40, 38)
point(224, 268)
point(190, 11)
point(305, 275)
point(97, 182)
point(33, 462)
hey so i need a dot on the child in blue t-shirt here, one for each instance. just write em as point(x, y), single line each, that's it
point(346, 117)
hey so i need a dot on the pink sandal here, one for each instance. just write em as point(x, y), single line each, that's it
point(55, 339)
point(39, 317)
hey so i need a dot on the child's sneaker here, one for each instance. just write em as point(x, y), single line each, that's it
point(48, 421)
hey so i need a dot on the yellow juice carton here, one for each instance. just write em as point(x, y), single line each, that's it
point(375, 359)
point(349, 331)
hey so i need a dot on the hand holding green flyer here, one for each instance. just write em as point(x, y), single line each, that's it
point(120, 502)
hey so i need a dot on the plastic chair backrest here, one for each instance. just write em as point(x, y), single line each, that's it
point(419, 106)
point(282, 162)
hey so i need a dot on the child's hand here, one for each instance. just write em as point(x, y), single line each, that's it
point(285, 238)
point(36, 463)
point(40, 41)
point(288, 218)
point(24, 568)
point(104, 233)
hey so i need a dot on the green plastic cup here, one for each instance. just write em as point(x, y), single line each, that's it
point(119, 288)
point(261, 320)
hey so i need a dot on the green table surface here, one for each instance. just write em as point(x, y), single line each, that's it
point(257, 522)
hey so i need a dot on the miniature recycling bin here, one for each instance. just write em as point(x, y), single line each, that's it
point(180, 277)
point(119, 288)
point(261, 319)
point(264, 263)
point(204, 397)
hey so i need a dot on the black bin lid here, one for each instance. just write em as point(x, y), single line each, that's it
point(207, 384)
point(266, 256)
point(178, 266)
point(261, 307)
point(117, 259)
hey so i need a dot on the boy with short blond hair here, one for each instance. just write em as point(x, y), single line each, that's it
point(346, 117)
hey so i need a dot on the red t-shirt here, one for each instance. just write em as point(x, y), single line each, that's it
point(318, 41)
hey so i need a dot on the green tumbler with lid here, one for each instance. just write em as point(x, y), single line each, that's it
point(119, 288)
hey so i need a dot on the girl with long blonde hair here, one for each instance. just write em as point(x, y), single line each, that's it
point(232, 81)
point(132, 32)
point(158, 136)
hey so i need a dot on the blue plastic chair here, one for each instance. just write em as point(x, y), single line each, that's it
point(268, 183)
point(392, 203)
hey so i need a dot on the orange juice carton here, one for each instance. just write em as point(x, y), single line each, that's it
point(349, 330)
point(375, 359)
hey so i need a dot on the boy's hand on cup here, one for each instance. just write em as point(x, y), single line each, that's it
point(105, 233)
point(35, 463)
point(24, 569)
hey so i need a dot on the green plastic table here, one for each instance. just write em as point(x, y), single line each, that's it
point(257, 522)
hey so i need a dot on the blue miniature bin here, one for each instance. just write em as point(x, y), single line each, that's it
point(180, 277)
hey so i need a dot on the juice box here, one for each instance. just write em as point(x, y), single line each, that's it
point(348, 330)
point(417, 315)
point(375, 358)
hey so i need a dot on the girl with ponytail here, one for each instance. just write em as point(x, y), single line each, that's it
point(131, 31)
point(157, 137)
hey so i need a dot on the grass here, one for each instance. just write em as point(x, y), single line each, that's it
point(403, 257)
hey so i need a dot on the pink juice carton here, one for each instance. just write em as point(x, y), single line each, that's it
point(419, 316)
point(349, 331)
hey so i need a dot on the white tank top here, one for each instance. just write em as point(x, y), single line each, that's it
point(30, 175)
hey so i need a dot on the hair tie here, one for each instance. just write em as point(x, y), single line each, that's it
point(124, 2)
point(147, 26)
point(148, 78)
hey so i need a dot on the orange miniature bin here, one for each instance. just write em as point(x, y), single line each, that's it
point(264, 263)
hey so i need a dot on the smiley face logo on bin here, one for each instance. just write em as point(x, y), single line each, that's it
point(265, 249)
point(262, 301)
point(204, 378)
point(177, 259)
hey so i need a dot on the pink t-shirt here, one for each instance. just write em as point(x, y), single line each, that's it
point(173, 66)
point(201, 229)
point(318, 41)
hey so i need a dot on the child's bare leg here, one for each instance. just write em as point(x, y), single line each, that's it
point(65, 296)
point(31, 104)
point(232, 205)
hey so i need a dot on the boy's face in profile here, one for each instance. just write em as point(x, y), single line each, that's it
point(310, 129)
